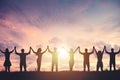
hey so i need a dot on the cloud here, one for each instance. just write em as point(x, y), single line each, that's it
point(100, 45)
point(112, 23)
point(45, 12)
point(6, 23)
point(9, 29)
point(8, 44)
point(55, 41)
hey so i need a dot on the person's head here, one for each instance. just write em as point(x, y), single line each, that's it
point(86, 50)
point(39, 50)
point(55, 49)
point(7, 50)
point(112, 49)
point(99, 52)
point(71, 50)
point(22, 50)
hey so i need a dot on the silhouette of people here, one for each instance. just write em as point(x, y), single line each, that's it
point(112, 58)
point(99, 59)
point(39, 53)
point(7, 62)
point(54, 58)
point(86, 55)
point(71, 59)
point(22, 58)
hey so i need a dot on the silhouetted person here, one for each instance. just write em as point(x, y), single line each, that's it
point(7, 62)
point(54, 58)
point(39, 53)
point(112, 57)
point(71, 59)
point(86, 55)
point(22, 58)
point(99, 59)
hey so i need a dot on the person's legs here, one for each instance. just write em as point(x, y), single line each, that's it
point(52, 66)
point(71, 69)
point(110, 66)
point(20, 67)
point(114, 66)
point(56, 67)
point(97, 67)
point(25, 67)
point(8, 68)
point(84, 64)
point(88, 66)
point(101, 66)
point(38, 65)
point(5, 68)
point(71, 65)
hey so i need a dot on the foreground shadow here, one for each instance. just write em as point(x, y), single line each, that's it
point(63, 75)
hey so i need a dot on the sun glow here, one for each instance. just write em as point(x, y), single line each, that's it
point(63, 52)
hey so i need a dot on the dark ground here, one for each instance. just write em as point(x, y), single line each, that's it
point(63, 75)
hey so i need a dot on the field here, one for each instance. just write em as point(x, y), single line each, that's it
point(63, 75)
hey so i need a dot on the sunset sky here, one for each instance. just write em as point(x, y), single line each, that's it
point(62, 24)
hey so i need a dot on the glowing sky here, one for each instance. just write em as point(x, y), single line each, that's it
point(59, 23)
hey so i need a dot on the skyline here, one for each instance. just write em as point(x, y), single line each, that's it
point(59, 23)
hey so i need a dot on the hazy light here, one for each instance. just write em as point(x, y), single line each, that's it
point(63, 52)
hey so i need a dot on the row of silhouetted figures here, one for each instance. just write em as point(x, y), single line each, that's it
point(54, 54)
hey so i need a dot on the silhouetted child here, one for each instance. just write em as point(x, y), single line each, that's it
point(54, 58)
point(86, 55)
point(22, 58)
point(99, 59)
point(71, 59)
point(39, 53)
point(7, 62)
point(112, 58)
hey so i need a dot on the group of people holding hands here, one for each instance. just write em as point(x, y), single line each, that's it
point(54, 53)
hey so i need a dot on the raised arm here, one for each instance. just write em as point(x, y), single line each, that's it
point(33, 50)
point(44, 51)
point(80, 51)
point(118, 51)
point(16, 51)
point(76, 49)
point(95, 50)
point(103, 50)
point(2, 51)
point(106, 50)
point(49, 49)
point(92, 51)
point(29, 51)
point(12, 50)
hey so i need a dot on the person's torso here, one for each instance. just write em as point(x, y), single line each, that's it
point(86, 57)
point(22, 58)
point(39, 56)
point(112, 56)
point(55, 56)
point(7, 56)
point(71, 56)
point(99, 57)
